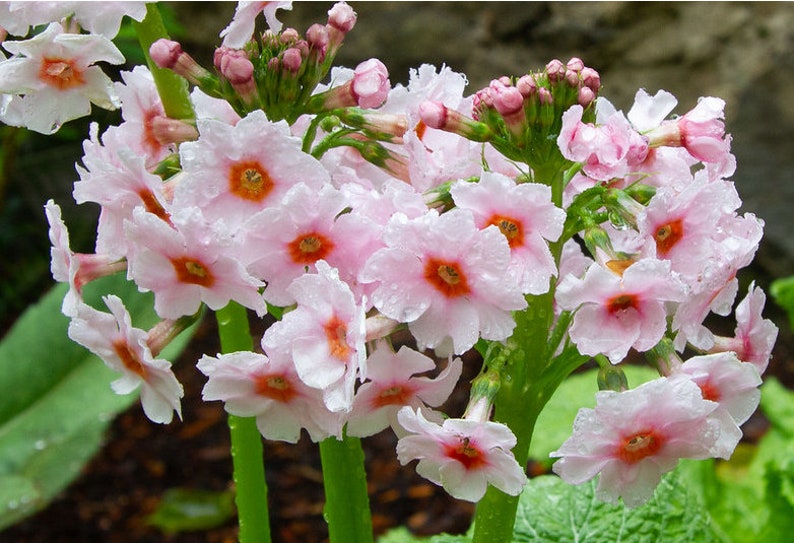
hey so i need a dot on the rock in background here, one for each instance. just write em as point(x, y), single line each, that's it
point(741, 52)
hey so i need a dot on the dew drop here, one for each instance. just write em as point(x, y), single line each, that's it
point(40, 445)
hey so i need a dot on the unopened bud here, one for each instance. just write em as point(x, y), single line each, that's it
point(166, 130)
point(291, 60)
point(342, 17)
point(555, 70)
point(317, 37)
point(585, 97)
point(612, 378)
point(591, 79)
point(437, 115)
point(527, 86)
point(370, 85)
point(575, 64)
point(168, 54)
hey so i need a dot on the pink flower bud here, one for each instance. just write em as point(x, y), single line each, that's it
point(555, 70)
point(585, 96)
point(342, 17)
point(317, 37)
point(291, 60)
point(238, 70)
point(508, 100)
point(289, 36)
point(371, 84)
point(169, 55)
point(433, 114)
point(165, 53)
point(575, 64)
point(544, 95)
point(590, 79)
point(527, 85)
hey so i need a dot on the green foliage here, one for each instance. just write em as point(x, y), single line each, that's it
point(782, 290)
point(185, 510)
point(55, 399)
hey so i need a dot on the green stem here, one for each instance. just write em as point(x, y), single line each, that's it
point(173, 89)
point(527, 383)
point(249, 468)
point(346, 499)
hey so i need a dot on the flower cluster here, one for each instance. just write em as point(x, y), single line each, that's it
point(357, 209)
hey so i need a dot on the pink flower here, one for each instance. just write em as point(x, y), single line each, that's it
point(286, 241)
point(98, 18)
point(463, 456)
point(241, 28)
point(526, 217)
point(140, 107)
point(324, 336)
point(682, 226)
point(732, 384)
point(606, 150)
point(370, 83)
point(77, 269)
point(446, 278)
point(234, 171)
point(393, 384)
point(124, 349)
point(701, 131)
point(254, 385)
point(117, 179)
point(54, 73)
point(755, 336)
point(632, 438)
point(617, 313)
point(187, 264)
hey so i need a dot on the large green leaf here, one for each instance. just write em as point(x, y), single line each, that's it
point(551, 510)
point(55, 398)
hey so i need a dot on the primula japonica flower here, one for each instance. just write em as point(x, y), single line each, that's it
point(74, 268)
point(446, 278)
point(733, 385)
point(392, 384)
point(55, 75)
point(283, 242)
point(125, 349)
point(615, 313)
point(116, 178)
point(526, 217)
point(234, 171)
point(241, 29)
point(268, 388)
point(324, 336)
point(632, 438)
point(606, 150)
point(102, 18)
point(755, 336)
point(188, 263)
point(463, 456)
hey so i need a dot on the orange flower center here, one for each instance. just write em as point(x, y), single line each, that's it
point(129, 358)
point(465, 453)
point(336, 333)
point(192, 272)
point(61, 74)
point(446, 277)
point(668, 235)
point(621, 303)
point(394, 395)
point(420, 129)
point(151, 205)
point(309, 248)
point(275, 387)
point(638, 446)
point(250, 181)
point(511, 228)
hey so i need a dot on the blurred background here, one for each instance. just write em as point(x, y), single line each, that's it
point(742, 52)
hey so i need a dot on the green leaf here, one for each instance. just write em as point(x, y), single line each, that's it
point(55, 398)
point(777, 403)
point(782, 290)
point(555, 422)
point(184, 509)
point(551, 510)
point(403, 535)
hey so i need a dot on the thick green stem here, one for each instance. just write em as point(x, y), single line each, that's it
point(524, 390)
point(173, 89)
point(346, 499)
point(249, 468)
